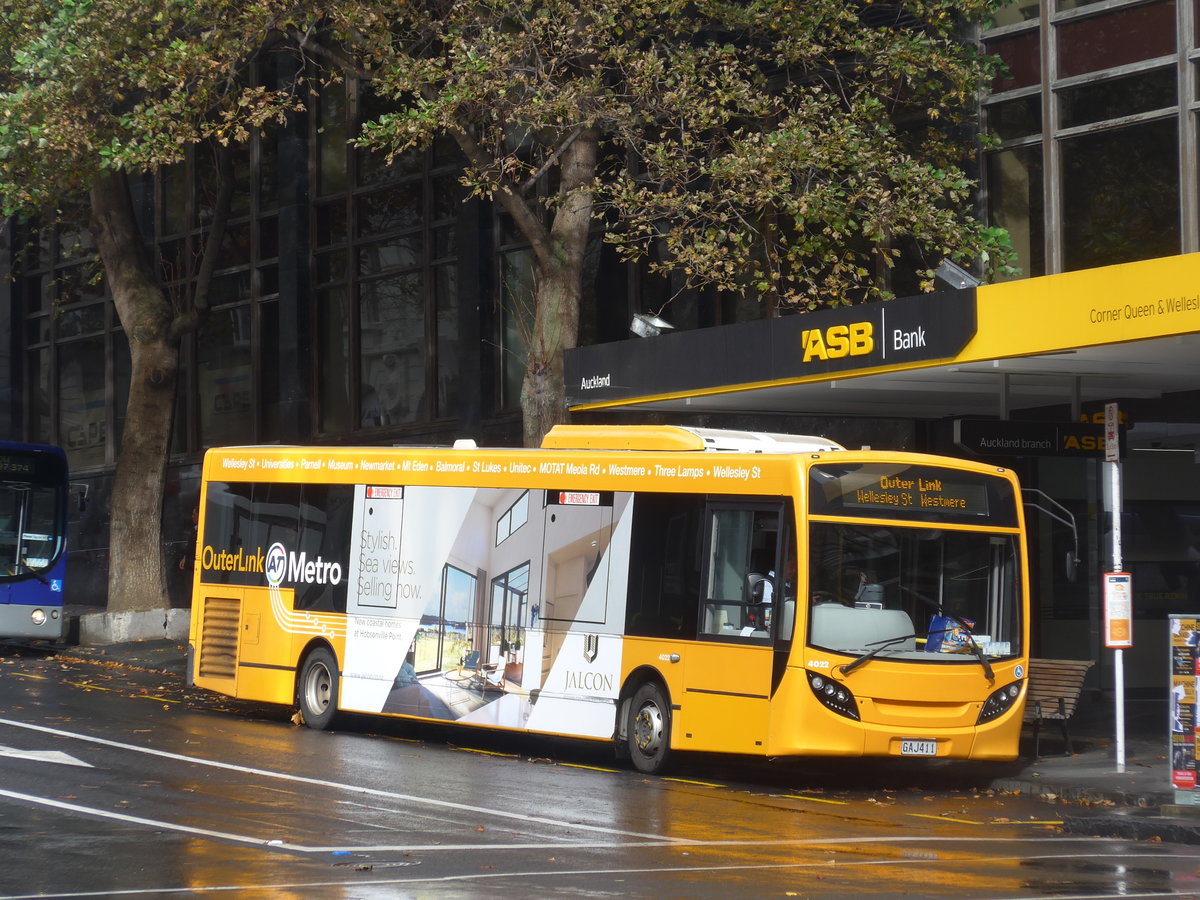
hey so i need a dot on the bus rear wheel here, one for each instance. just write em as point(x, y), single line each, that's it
point(648, 730)
point(318, 689)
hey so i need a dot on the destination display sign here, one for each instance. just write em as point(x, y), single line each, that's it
point(35, 466)
point(910, 492)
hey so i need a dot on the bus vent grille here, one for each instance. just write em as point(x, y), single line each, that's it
point(219, 637)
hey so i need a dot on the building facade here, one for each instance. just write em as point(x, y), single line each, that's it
point(1096, 165)
point(1095, 118)
point(361, 302)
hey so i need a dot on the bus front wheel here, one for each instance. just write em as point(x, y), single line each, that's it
point(318, 691)
point(649, 729)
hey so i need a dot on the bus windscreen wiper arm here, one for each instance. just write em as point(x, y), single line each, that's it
point(32, 571)
point(975, 648)
point(871, 654)
point(974, 644)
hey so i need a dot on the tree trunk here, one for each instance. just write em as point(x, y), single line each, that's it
point(555, 329)
point(136, 575)
point(558, 287)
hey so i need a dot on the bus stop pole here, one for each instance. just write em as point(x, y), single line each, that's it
point(1118, 653)
point(1112, 463)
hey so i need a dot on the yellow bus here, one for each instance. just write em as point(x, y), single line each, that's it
point(658, 587)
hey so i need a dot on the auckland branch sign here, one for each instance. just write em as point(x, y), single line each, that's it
point(788, 349)
point(993, 437)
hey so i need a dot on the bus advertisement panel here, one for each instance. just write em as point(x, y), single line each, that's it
point(33, 529)
point(634, 589)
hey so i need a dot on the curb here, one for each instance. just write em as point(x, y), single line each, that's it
point(1048, 790)
point(104, 628)
point(1140, 820)
point(1135, 827)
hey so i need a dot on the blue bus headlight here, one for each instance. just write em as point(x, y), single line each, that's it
point(38, 616)
point(999, 701)
point(833, 696)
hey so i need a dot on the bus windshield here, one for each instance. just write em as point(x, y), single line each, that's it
point(30, 528)
point(916, 592)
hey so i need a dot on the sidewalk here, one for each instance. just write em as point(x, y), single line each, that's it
point(1138, 804)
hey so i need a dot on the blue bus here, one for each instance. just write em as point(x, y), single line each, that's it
point(34, 488)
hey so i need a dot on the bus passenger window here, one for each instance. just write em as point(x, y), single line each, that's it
point(743, 545)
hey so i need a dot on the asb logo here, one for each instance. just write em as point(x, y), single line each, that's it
point(276, 564)
point(838, 341)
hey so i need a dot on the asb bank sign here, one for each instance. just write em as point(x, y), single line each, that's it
point(791, 348)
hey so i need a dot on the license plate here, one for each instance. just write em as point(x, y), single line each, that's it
point(910, 747)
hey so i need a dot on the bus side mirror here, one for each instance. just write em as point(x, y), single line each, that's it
point(79, 491)
point(1072, 567)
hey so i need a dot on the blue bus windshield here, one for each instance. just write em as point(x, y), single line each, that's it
point(33, 528)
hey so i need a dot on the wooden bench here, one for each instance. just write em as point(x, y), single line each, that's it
point(1053, 694)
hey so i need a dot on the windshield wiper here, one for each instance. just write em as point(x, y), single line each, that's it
point(976, 649)
point(871, 654)
point(36, 573)
point(19, 564)
point(974, 644)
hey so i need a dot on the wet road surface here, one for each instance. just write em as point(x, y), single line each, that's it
point(118, 782)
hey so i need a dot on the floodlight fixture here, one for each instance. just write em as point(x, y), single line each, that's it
point(647, 325)
point(956, 276)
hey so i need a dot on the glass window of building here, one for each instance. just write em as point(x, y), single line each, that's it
point(386, 274)
point(1120, 195)
point(1091, 117)
point(70, 332)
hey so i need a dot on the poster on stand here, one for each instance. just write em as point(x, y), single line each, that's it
point(1185, 675)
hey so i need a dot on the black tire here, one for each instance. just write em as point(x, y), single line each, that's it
point(648, 729)
point(317, 689)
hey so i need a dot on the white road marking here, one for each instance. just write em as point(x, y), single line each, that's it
point(139, 820)
point(480, 812)
point(639, 840)
point(48, 756)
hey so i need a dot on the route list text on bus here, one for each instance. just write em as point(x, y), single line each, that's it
point(493, 467)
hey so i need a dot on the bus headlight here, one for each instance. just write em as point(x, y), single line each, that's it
point(38, 616)
point(999, 701)
point(833, 696)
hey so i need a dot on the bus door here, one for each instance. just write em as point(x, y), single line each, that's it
point(728, 673)
point(575, 594)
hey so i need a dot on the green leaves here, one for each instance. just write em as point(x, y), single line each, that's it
point(778, 148)
point(775, 148)
point(92, 85)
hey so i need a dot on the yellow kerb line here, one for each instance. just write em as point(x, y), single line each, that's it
point(27, 675)
point(1030, 822)
point(945, 819)
point(707, 784)
point(814, 799)
point(589, 768)
point(490, 753)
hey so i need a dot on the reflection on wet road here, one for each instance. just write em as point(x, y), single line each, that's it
point(118, 782)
